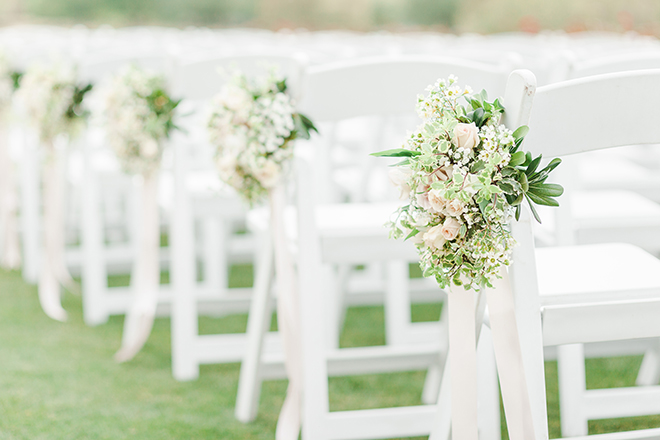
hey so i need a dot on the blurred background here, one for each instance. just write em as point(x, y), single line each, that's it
point(480, 16)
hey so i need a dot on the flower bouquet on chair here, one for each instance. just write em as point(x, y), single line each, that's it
point(140, 116)
point(252, 125)
point(465, 178)
point(53, 102)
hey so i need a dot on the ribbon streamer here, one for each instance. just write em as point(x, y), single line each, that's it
point(53, 271)
point(464, 327)
point(289, 421)
point(145, 280)
point(463, 363)
point(10, 255)
point(508, 356)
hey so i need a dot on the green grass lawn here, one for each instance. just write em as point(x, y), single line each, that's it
point(58, 380)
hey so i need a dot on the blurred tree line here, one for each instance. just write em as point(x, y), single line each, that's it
point(446, 15)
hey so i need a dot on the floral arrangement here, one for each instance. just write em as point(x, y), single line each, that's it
point(252, 124)
point(53, 99)
point(139, 116)
point(465, 178)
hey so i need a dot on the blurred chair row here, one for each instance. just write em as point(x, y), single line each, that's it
point(361, 106)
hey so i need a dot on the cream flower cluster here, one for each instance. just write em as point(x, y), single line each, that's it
point(251, 126)
point(457, 215)
point(46, 94)
point(135, 131)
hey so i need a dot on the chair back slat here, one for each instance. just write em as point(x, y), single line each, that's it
point(382, 86)
point(201, 80)
point(594, 113)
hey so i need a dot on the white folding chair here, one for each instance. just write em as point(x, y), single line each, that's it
point(350, 234)
point(569, 295)
point(197, 82)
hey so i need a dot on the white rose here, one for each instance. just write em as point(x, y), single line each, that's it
point(449, 228)
point(466, 136)
point(436, 200)
point(268, 174)
point(226, 165)
point(455, 208)
point(423, 199)
point(434, 238)
point(235, 98)
point(399, 177)
point(441, 174)
point(149, 148)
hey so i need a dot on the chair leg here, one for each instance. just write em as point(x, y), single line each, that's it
point(214, 247)
point(572, 387)
point(315, 368)
point(649, 371)
point(397, 303)
point(93, 270)
point(183, 272)
point(249, 382)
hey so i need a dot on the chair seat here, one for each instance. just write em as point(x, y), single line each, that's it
point(592, 273)
point(351, 233)
point(607, 215)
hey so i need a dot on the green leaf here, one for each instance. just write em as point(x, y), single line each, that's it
point(506, 187)
point(522, 180)
point(517, 158)
point(533, 165)
point(477, 166)
point(520, 132)
point(16, 77)
point(478, 117)
point(412, 233)
point(542, 200)
point(546, 189)
point(531, 207)
point(397, 152)
point(403, 163)
point(309, 125)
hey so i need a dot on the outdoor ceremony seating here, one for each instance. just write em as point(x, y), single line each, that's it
point(585, 282)
point(382, 86)
point(570, 295)
point(197, 82)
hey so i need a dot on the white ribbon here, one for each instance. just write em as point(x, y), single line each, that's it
point(508, 356)
point(53, 270)
point(145, 278)
point(288, 323)
point(463, 363)
point(10, 255)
